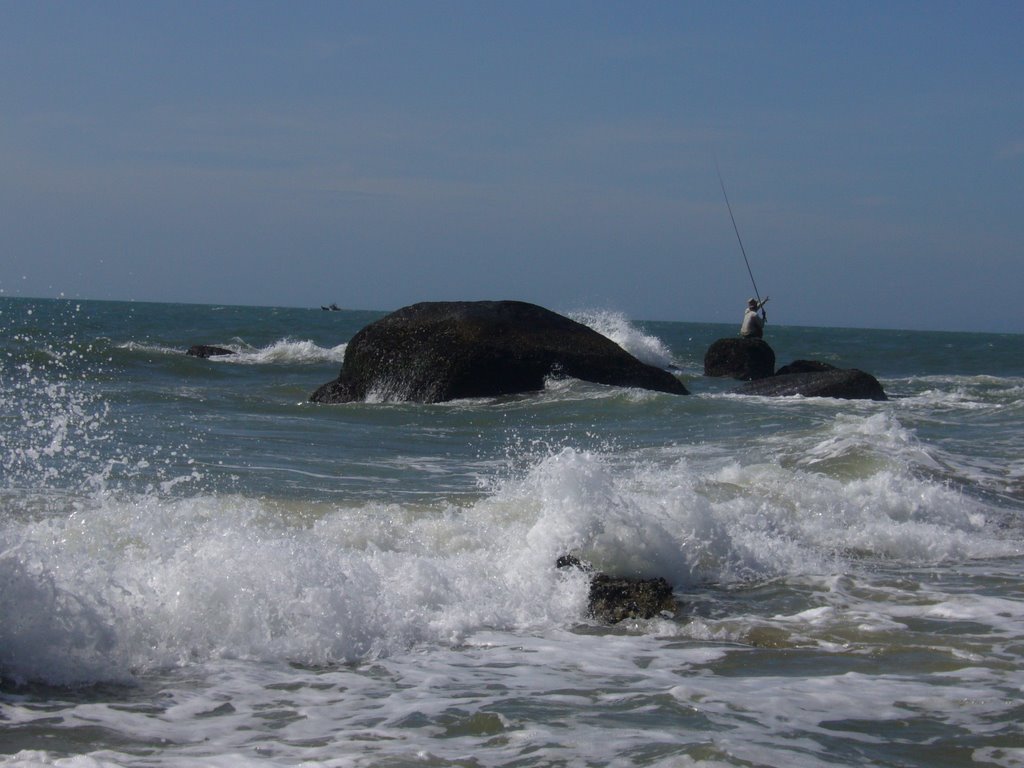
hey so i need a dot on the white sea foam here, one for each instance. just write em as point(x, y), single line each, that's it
point(285, 352)
point(136, 583)
point(878, 436)
point(959, 393)
point(521, 699)
point(130, 585)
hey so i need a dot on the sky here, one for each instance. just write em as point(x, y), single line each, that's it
point(377, 154)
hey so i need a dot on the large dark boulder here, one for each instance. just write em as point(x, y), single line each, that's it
point(437, 351)
point(846, 383)
point(740, 358)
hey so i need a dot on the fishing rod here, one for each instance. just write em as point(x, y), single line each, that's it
point(740, 239)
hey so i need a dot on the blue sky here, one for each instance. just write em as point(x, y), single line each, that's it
point(378, 154)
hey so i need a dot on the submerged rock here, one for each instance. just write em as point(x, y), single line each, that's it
point(206, 350)
point(804, 366)
point(436, 351)
point(740, 358)
point(617, 598)
point(845, 383)
point(614, 599)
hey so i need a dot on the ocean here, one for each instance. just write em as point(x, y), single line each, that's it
point(199, 567)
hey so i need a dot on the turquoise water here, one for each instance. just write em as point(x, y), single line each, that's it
point(200, 567)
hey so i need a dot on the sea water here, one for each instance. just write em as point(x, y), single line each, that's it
point(200, 567)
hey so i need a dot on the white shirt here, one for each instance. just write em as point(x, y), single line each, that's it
point(753, 325)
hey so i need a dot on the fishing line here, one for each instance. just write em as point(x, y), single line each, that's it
point(737, 231)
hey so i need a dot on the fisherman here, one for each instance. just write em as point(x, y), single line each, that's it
point(753, 324)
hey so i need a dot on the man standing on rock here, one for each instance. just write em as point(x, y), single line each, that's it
point(753, 324)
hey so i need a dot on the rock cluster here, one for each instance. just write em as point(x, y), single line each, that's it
point(753, 361)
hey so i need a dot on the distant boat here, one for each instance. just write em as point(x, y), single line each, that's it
point(331, 308)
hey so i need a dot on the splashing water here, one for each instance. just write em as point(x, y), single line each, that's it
point(617, 327)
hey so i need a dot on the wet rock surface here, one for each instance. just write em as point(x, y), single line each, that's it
point(616, 598)
point(437, 351)
point(207, 350)
point(740, 358)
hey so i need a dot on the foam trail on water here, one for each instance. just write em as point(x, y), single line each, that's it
point(151, 349)
point(281, 352)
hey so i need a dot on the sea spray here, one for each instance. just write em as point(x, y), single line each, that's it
point(54, 423)
point(291, 352)
point(620, 329)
